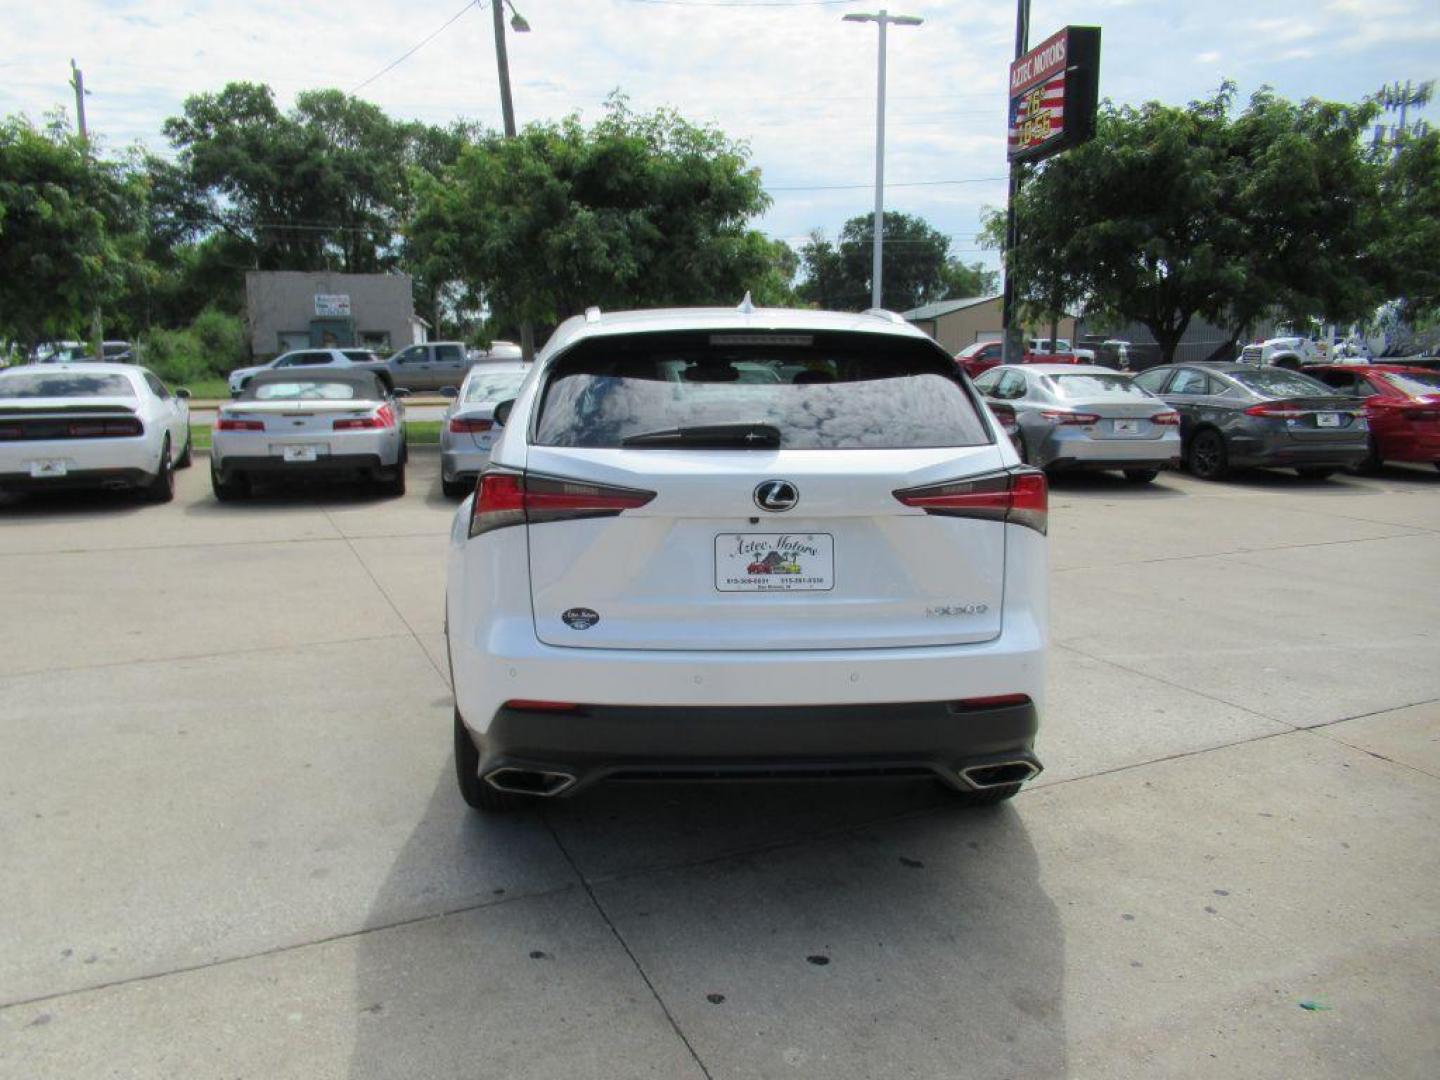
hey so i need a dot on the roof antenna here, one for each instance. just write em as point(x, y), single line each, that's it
point(747, 306)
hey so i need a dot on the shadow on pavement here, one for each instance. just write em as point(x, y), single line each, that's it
point(787, 936)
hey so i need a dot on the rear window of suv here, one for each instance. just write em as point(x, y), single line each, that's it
point(822, 391)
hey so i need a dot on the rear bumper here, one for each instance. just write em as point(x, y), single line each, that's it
point(593, 743)
point(1292, 453)
point(324, 465)
point(458, 464)
point(1077, 450)
point(83, 478)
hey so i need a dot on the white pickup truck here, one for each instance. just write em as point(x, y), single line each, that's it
point(1292, 353)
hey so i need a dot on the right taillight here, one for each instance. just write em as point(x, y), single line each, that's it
point(1018, 498)
point(1166, 419)
point(511, 498)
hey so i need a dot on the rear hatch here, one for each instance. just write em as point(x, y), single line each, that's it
point(774, 522)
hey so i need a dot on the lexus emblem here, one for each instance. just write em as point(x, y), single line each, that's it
point(776, 496)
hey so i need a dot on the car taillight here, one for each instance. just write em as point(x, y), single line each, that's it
point(229, 423)
point(90, 429)
point(1064, 416)
point(994, 701)
point(533, 705)
point(383, 417)
point(461, 425)
point(1273, 411)
point(1166, 419)
point(1018, 498)
point(509, 498)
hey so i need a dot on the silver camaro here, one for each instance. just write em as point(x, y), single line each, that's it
point(469, 425)
point(1082, 416)
point(304, 423)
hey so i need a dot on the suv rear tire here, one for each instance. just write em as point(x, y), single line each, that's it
point(476, 792)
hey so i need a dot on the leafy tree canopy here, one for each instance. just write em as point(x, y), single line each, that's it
point(638, 210)
point(916, 266)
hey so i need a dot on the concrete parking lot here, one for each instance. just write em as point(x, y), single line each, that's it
point(230, 844)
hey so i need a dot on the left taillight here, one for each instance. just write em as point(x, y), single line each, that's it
point(512, 498)
point(1021, 497)
point(383, 417)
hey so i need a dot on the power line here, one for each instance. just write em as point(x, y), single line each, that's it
point(415, 48)
point(913, 183)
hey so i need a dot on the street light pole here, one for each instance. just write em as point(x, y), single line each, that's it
point(883, 19)
point(507, 112)
point(77, 80)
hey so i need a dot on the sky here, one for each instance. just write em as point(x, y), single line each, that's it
point(787, 77)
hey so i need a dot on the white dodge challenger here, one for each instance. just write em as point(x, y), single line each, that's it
point(91, 425)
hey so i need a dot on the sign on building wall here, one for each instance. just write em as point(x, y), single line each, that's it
point(1054, 89)
point(332, 304)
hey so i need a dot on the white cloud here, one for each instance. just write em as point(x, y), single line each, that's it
point(796, 83)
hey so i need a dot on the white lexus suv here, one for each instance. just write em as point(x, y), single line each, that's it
point(740, 543)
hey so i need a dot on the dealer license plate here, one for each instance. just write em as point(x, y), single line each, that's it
point(301, 453)
point(1327, 419)
point(1127, 427)
point(774, 562)
point(47, 467)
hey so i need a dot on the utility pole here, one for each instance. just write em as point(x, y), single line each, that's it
point(507, 112)
point(1013, 347)
point(883, 19)
point(77, 80)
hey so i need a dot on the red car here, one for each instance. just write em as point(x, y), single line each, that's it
point(1402, 405)
point(984, 355)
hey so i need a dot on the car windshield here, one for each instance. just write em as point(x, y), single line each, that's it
point(64, 384)
point(1096, 387)
point(798, 391)
point(306, 390)
point(494, 386)
point(1277, 383)
point(1415, 383)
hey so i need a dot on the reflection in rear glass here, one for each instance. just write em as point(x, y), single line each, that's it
point(70, 384)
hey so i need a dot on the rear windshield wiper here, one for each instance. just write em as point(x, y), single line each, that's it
point(744, 436)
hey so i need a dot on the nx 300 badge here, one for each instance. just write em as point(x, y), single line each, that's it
point(776, 496)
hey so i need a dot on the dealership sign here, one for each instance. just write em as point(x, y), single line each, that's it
point(1054, 89)
point(332, 304)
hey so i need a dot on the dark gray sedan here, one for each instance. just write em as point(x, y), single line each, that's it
point(1239, 415)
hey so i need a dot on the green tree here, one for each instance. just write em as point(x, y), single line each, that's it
point(639, 210)
point(1173, 212)
point(916, 266)
point(70, 232)
point(1407, 225)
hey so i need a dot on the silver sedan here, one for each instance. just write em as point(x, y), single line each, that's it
point(467, 430)
point(1082, 416)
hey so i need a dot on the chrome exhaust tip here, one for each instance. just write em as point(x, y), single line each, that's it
point(999, 773)
point(539, 782)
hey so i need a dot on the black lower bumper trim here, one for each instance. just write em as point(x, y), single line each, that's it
point(76, 479)
point(652, 743)
point(324, 465)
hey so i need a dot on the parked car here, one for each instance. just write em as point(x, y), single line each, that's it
point(431, 366)
point(499, 352)
point(1402, 407)
point(58, 352)
point(980, 357)
point(296, 358)
point(91, 425)
point(468, 425)
point(1084, 416)
point(1238, 415)
point(305, 422)
point(1059, 351)
point(602, 617)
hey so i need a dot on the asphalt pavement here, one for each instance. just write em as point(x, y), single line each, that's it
point(230, 844)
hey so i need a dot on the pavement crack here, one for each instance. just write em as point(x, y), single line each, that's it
point(634, 960)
